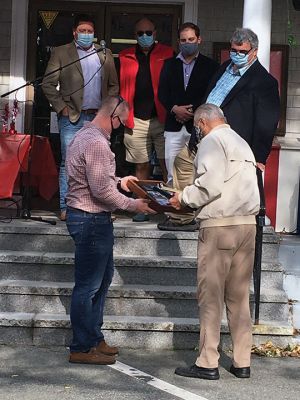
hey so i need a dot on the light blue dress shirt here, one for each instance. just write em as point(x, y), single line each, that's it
point(226, 82)
point(92, 78)
point(187, 68)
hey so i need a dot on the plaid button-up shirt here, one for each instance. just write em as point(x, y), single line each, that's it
point(90, 168)
point(225, 84)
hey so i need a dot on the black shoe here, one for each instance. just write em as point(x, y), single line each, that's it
point(140, 217)
point(169, 225)
point(198, 372)
point(240, 372)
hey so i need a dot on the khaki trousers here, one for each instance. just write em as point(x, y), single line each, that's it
point(140, 140)
point(183, 175)
point(225, 264)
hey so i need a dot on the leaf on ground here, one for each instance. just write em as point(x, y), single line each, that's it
point(268, 349)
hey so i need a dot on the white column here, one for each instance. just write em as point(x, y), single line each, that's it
point(18, 55)
point(257, 17)
point(191, 11)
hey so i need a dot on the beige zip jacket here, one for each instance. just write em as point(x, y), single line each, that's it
point(225, 190)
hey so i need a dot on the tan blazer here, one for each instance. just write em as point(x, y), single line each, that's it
point(71, 78)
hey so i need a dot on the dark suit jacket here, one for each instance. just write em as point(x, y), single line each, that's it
point(171, 87)
point(252, 108)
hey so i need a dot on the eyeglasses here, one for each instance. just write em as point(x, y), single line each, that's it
point(141, 33)
point(120, 100)
point(244, 52)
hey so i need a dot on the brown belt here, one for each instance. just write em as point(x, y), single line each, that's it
point(90, 111)
point(87, 212)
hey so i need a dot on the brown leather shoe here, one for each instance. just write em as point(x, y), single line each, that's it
point(63, 215)
point(104, 348)
point(92, 357)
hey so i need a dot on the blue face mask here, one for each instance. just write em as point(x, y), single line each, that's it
point(85, 39)
point(238, 59)
point(145, 41)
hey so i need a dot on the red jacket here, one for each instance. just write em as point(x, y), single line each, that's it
point(128, 70)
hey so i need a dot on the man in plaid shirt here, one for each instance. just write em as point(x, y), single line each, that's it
point(92, 195)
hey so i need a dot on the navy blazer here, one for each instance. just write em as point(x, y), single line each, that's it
point(171, 87)
point(252, 107)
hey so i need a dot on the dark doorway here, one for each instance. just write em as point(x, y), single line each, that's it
point(50, 25)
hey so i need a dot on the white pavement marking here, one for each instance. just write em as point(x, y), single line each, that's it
point(155, 382)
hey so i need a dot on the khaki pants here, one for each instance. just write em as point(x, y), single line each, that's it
point(225, 264)
point(183, 175)
point(140, 140)
point(174, 143)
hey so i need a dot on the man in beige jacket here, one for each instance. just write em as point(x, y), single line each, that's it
point(226, 196)
point(82, 85)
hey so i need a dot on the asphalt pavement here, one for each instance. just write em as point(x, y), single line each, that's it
point(32, 373)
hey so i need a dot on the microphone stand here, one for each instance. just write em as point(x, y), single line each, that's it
point(26, 212)
point(260, 222)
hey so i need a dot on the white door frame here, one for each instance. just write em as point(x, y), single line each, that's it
point(19, 31)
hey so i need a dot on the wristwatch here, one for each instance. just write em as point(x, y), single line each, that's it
point(119, 187)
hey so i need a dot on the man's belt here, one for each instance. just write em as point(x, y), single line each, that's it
point(90, 111)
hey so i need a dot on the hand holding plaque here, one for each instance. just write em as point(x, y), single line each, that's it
point(158, 194)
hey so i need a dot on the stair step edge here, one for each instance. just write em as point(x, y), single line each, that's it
point(64, 288)
point(26, 257)
point(141, 323)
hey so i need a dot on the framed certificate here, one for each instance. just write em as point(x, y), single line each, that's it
point(156, 192)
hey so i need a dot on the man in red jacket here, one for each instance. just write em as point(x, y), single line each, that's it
point(140, 68)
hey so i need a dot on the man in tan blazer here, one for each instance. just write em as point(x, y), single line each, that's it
point(75, 92)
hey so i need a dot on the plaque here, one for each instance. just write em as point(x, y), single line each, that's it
point(157, 193)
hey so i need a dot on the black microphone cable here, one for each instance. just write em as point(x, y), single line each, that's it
point(102, 48)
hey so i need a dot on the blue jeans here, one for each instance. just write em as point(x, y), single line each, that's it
point(67, 130)
point(94, 268)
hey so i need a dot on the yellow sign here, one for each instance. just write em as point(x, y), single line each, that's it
point(48, 17)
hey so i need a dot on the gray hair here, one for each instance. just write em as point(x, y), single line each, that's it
point(208, 112)
point(242, 35)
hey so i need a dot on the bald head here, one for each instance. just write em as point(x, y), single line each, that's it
point(144, 24)
point(113, 105)
point(112, 113)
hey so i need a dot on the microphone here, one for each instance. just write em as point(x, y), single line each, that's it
point(103, 46)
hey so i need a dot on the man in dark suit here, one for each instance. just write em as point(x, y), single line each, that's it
point(248, 95)
point(183, 83)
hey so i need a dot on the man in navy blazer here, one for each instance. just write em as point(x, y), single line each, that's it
point(248, 95)
point(182, 86)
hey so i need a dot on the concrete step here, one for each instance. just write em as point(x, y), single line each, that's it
point(131, 332)
point(130, 239)
point(154, 270)
point(151, 300)
point(289, 256)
